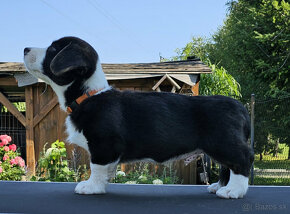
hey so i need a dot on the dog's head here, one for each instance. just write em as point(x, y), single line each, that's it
point(63, 62)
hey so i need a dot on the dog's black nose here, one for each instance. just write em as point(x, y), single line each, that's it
point(26, 50)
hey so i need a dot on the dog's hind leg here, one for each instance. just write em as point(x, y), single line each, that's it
point(223, 181)
point(238, 157)
point(96, 184)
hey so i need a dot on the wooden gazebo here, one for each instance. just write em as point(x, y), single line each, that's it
point(43, 120)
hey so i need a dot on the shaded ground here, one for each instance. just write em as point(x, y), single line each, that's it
point(38, 197)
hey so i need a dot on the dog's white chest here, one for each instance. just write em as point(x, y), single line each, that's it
point(75, 136)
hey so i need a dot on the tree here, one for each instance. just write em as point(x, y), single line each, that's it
point(253, 49)
point(220, 82)
point(254, 46)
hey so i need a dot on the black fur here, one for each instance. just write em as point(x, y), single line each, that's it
point(129, 126)
point(67, 60)
point(133, 125)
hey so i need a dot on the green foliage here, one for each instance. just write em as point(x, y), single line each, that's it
point(53, 165)
point(21, 106)
point(254, 46)
point(220, 82)
point(142, 176)
point(253, 49)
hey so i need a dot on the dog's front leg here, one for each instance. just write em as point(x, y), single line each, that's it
point(97, 182)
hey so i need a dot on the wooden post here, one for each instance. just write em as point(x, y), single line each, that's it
point(252, 133)
point(195, 88)
point(30, 153)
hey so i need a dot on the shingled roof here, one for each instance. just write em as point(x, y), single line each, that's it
point(171, 67)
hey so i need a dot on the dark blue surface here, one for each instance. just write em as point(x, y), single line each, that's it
point(38, 197)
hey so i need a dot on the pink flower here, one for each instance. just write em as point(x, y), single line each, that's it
point(1, 144)
point(1, 170)
point(9, 139)
point(4, 142)
point(0, 162)
point(5, 139)
point(13, 161)
point(20, 161)
point(13, 147)
point(6, 149)
point(5, 157)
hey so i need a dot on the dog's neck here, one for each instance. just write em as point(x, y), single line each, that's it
point(68, 93)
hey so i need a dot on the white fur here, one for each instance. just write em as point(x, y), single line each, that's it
point(213, 188)
point(97, 80)
point(60, 90)
point(33, 62)
point(74, 136)
point(98, 180)
point(236, 188)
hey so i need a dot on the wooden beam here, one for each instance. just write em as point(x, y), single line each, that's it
point(12, 109)
point(159, 82)
point(30, 153)
point(8, 81)
point(173, 82)
point(166, 76)
point(44, 111)
point(195, 88)
point(173, 90)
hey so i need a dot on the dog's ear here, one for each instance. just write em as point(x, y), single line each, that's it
point(69, 58)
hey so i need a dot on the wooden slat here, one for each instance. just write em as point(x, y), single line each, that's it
point(12, 109)
point(12, 66)
point(8, 81)
point(30, 153)
point(44, 111)
point(159, 83)
point(195, 88)
point(173, 82)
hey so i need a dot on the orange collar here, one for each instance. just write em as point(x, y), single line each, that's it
point(79, 100)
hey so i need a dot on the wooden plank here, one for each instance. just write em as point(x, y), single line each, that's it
point(48, 125)
point(195, 88)
point(173, 90)
point(45, 110)
point(8, 81)
point(30, 153)
point(159, 83)
point(140, 83)
point(173, 82)
point(12, 109)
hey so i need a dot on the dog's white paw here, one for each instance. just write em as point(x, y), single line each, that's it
point(88, 187)
point(229, 192)
point(213, 188)
point(236, 188)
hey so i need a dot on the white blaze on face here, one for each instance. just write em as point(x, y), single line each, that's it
point(33, 61)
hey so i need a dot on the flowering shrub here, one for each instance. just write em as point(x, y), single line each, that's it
point(54, 166)
point(142, 176)
point(12, 166)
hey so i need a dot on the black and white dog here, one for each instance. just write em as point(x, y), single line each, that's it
point(117, 127)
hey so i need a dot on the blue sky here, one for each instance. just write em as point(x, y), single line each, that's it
point(122, 31)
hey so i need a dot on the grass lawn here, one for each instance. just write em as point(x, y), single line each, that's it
point(271, 181)
point(270, 162)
